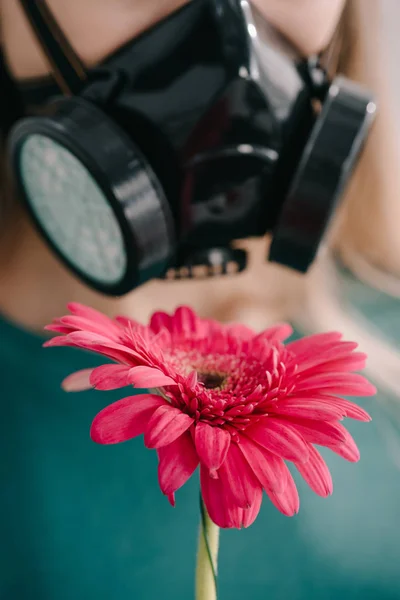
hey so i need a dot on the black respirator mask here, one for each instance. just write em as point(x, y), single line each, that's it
point(204, 130)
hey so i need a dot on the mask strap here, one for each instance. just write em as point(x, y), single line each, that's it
point(68, 70)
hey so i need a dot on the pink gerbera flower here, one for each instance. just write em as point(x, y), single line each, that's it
point(237, 403)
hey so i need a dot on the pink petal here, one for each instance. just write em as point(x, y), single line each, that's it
point(344, 407)
point(278, 333)
point(137, 335)
point(348, 384)
point(162, 339)
point(56, 327)
point(191, 380)
point(353, 411)
point(177, 463)
point(124, 419)
point(262, 350)
point(110, 377)
point(287, 503)
point(280, 438)
point(238, 479)
point(59, 340)
point(214, 326)
point(159, 320)
point(313, 341)
point(165, 426)
point(249, 515)
point(185, 322)
point(347, 449)
point(171, 499)
point(87, 312)
point(109, 330)
point(220, 507)
point(334, 352)
point(316, 473)
point(126, 322)
point(99, 344)
point(239, 331)
point(149, 377)
point(355, 362)
point(77, 382)
point(307, 408)
point(269, 469)
point(212, 444)
point(222, 510)
point(86, 318)
point(117, 352)
point(318, 432)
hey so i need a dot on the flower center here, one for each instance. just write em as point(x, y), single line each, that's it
point(211, 381)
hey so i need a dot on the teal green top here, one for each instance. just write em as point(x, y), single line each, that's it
point(81, 521)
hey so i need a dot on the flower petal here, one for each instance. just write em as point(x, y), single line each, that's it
point(347, 448)
point(56, 327)
point(126, 322)
point(78, 381)
point(124, 419)
point(237, 478)
point(313, 341)
point(75, 323)
point(352, 411)
point(347, 384)
point(191, 380)
point(222, 510)
point(318, 432)
point(239, 331)
point(110, 377)
point(160, 320)
point(280, 438)
point(344, 408)
point(212, 444)
point(249, 515)
point(356, 361)
point(307, 408)
point(165, 426)
point(99, 344)
point(185, 322)
point(60, 340)
point(288, 503)
point(219, 506)
point(162, 339)
point(84, 318)
point(269, 469)
point(87, 312)
point(149, 377)
point(334, 352)
point(316, 473)
point(177, 462)
point(278, 333)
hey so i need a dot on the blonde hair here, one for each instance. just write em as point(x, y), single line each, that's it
point(372, 207)
point(366, 235)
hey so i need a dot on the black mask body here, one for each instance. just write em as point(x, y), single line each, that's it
point(202, 131)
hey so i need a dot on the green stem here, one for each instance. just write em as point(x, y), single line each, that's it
point(207, 557)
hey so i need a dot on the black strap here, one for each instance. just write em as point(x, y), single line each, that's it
point(68, 70)
point(11, 103)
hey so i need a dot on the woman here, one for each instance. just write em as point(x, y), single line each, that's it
point(81, 521)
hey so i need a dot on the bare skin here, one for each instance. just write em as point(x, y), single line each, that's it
point(34, 286)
